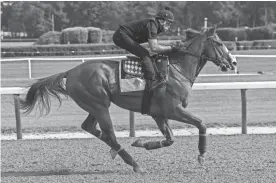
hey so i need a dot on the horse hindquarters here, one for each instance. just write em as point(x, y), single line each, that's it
point(89, 88)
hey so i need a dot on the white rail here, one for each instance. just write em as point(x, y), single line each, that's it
point(243, 86)
point(196, 86)
point(63, 58)
point(82, 59)
point(256, 56)
point(109, 57)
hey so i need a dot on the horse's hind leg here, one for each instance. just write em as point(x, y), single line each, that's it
point(90, 125)
point(99, 113)
point(166, 131)
point(108, 136)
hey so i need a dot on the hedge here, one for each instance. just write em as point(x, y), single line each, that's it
point(94, 35)
point(74, 35)
point(260, 33)
point(94, 49)
point(19, 40)
point(51, 37)
point(250, 34)
point(229, 34)
point(60, 50)
point(259, 44)
point(107, 36)
point(244, 45)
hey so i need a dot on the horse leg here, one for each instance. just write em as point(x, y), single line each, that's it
point(108, 136)
point(180, 114)
point(90, 125)
point(166, 131)
point(99, 113)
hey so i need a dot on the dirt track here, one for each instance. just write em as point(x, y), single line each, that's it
point(240, 158)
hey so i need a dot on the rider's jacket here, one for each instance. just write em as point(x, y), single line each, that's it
point(142, 30)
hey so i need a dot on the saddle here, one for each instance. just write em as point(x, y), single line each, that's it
point(132, 74)
point(132, 77)
point(132, 67)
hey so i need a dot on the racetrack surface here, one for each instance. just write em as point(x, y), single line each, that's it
point(237, 158)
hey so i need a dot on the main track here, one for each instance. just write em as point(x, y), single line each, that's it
point(238, 158)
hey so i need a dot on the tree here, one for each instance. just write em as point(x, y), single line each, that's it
point(26, 17)
point(6, 8)
point(34, 17)
point(56, 9)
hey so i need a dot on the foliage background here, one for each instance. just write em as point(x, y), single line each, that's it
point(35, 18)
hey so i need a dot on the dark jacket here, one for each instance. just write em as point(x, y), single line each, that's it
point(142, 30)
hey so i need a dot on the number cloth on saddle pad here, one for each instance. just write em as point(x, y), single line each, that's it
point(132, 76)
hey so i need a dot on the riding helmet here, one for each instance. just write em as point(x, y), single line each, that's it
point(165, 14)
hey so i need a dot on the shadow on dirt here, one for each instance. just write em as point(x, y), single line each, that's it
point(51, 173)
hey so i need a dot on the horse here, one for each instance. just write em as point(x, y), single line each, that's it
point(93, 85)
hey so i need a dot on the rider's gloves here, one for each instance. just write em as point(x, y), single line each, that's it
point(174, 49)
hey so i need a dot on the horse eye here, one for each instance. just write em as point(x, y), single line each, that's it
point(219, 43)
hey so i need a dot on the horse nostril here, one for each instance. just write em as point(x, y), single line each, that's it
point(234, 63)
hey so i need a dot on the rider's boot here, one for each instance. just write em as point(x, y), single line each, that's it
point(151, 81)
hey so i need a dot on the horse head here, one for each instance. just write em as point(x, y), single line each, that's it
point(216, 51)
point(202, 47)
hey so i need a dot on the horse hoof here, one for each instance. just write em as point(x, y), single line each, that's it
point(201, 160)
point(113, 153)
point(139, 170)
point(137, 143)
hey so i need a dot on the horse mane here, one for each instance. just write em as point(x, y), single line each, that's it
point(191, 33)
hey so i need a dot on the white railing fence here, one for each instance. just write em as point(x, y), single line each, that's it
point(83, 59)
point(243, 86)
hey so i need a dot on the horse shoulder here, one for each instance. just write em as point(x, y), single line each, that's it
point(179, 91)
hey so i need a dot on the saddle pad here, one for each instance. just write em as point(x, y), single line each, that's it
point(133, 67)
point(131, 85)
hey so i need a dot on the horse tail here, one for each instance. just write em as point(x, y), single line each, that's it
point(41, 91)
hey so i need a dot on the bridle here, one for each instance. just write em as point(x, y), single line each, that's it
point(218, 60)
point(220, 55)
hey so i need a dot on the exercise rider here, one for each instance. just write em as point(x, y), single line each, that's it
point(129, 37)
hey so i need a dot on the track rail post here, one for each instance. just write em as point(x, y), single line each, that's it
point(30, 68)
point(131, 124)
point(243, 103)
point(17, 116)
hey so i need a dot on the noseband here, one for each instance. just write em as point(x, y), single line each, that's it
point(219, 55)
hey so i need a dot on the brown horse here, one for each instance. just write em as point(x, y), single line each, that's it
point(94, 85)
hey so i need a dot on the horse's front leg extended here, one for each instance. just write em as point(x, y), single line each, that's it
point(166, 131)
point(180, 114)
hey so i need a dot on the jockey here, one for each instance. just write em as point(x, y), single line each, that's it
point(129, 37)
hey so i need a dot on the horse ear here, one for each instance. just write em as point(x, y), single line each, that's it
point(213, 29)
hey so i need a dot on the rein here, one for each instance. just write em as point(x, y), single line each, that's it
point(194, 55)
point(201, 57)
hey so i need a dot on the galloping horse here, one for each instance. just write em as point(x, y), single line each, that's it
point(94, 85)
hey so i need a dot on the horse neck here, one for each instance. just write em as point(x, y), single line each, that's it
point(190, 65)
